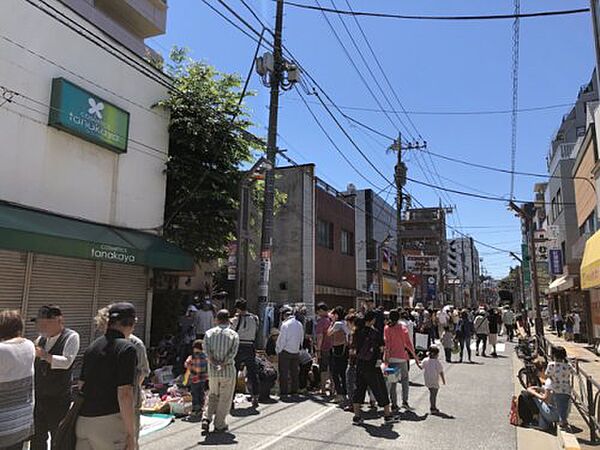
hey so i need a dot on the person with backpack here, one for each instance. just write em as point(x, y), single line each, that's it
point(368, 345)
point(247, 326)
point(338, 331)
point(464, 333)
point(482, 330)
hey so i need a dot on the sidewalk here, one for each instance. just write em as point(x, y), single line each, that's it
point(590, 363)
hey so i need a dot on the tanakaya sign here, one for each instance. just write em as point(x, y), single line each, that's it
point(79, 112)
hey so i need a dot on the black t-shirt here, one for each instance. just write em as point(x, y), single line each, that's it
point(367, 343)
point(109, 362)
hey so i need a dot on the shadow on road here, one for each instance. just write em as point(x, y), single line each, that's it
point(411, 416)
point(443, 415)
point(219, 439)
point(383, 431)
point(244, 412)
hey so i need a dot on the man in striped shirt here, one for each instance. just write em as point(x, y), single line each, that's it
point(221, 345)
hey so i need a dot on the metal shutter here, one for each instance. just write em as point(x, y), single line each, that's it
point(12, 278)
point(123, 283)
point(68, 283)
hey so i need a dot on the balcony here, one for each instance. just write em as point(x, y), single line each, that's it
point(144, 18)
point(557, 153)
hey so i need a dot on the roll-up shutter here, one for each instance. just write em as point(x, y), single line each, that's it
point(12, 278)
point(123, 283)
point(68, 283)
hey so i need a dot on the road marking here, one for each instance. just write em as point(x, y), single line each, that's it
point(295, 428)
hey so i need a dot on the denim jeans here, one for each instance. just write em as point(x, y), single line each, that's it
point(351, 380)
point(198, 395)
point(548, 414)
point(563, 402)
point(404, 381)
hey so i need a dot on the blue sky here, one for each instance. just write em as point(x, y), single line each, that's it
point(433, 66)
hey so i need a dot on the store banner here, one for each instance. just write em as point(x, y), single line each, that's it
point(79, 112)
point(555, 259)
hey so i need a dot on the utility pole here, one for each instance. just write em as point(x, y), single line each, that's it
point(276, 73)
point(526, 213)
point(400, 180)
point(474, 297)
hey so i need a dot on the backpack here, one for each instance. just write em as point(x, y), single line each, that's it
point(527, 409)
point(367, 349)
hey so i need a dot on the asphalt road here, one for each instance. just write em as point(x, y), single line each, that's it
point(475, 403)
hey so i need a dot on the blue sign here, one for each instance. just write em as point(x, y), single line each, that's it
point(556, 262)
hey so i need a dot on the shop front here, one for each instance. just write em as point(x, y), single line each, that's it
point(590, 282)
point(80, 266)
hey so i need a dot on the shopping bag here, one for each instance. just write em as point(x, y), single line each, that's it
point(421, 340)
point(455, 348)
point(514, 411)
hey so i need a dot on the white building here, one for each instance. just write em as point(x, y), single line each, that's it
point(84, 146)
point(463, 271)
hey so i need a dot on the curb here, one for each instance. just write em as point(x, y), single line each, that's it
point(567, 441)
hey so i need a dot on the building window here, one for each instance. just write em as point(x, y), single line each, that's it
point(554, 213)
point(559, 202)
point(324, 234)
point(580, 131)
point(347, 242)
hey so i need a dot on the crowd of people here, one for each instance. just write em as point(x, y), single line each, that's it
point(36, 379)
point(342, 356)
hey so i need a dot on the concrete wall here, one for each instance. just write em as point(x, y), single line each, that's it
point(292, 268)
point(332, 268)
point(46, 168)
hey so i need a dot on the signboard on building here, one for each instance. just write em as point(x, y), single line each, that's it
point(541, 246)
point(232, 261)
point(422, 265)
point(526, 270)
point(79, 112)
point(556, 265)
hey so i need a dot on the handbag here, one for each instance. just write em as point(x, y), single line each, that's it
point(513, 416)
point(455, 348)
point(65, 438)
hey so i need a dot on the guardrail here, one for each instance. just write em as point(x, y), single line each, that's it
point(585, 396)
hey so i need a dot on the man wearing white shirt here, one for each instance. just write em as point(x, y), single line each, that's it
point(56, 350)
point(289, 342)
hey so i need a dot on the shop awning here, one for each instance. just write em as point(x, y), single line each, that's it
point(590, 265)
point(561, 284)
point(37, 231)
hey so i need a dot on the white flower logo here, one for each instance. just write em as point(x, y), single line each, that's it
point(95, 108)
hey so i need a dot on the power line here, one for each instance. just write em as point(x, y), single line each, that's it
point(361, 152)
point(357, 70)
point(456, 113)
point(496, 169)
point(441, 18)
point(341, 153)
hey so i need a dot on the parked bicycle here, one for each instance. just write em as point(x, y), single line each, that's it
point(534, 360)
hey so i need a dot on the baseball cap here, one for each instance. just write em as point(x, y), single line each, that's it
point(121, 310)
point(48, 312)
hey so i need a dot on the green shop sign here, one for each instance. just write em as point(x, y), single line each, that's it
point(79, 112)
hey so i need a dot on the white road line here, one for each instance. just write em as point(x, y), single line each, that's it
point(295, 428)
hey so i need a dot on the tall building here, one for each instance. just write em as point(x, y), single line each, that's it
point(376, 260)
point(463, 272)
point(562, 216)
point(82, 181)
point(425, 253)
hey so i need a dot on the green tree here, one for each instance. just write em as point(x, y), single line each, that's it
point(208, 143)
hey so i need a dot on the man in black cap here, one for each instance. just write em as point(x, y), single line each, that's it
point(108, 376)
point(56, 350)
